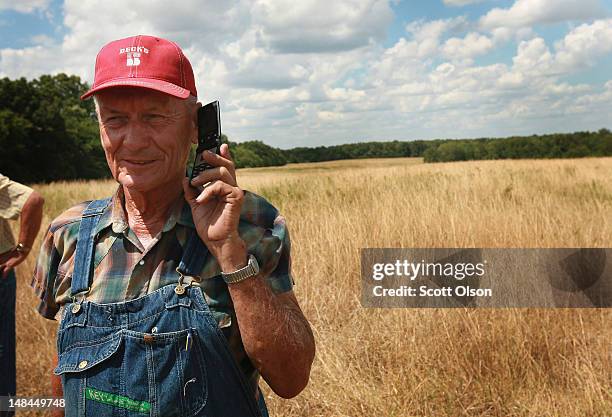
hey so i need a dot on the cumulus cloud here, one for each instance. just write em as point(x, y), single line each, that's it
point(473, 44)
point(320, 25)
point(29, 62)
point(525, 13)
point(458, 3)
point(24, 6)
point(432, 30)
point(533, 57)
point(583, 45)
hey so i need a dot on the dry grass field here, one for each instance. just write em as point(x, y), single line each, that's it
point(401, 362)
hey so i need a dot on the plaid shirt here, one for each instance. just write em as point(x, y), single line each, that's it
point(124, 270)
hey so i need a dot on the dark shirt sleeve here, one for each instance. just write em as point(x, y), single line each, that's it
point(277, 268)
point(265, 232)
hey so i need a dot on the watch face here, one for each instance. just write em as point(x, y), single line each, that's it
point(21, 248)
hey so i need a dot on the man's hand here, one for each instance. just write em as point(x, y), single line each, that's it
point(216, 209)
point(10, 260)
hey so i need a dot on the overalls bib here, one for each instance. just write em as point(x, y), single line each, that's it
point(159, 355)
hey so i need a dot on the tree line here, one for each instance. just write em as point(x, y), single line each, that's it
point(558, 145)
point(47, 134)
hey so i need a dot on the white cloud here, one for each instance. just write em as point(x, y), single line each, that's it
point(29, 62)
point(432, 30)
point(473, 44)
point(533, 57)
point(458, 3)
point(583, 45)
point(320, 25)
point(581, 48)
point(525, 13)
point(24, 6)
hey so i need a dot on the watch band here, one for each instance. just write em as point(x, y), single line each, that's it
point(251, 269)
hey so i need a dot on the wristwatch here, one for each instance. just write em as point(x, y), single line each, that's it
point(251, 269)
point(21, 248)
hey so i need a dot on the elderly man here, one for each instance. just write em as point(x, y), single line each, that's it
point(15, 199)
point(173, 297)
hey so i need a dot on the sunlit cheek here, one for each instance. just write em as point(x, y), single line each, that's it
point(175, 151)
point(110, 146)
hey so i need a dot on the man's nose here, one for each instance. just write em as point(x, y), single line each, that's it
point(136, 136)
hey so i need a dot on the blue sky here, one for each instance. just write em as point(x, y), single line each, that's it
point(316, 72)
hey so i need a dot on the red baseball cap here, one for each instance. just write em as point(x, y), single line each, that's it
point(144, 61)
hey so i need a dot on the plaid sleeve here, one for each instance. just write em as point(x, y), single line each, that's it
point(56, 250)
point(267, 237)
point(45, 272)
point(12, 197)
point(279, 265)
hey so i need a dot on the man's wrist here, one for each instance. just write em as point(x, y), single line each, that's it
point(21, 248)
point(231, 254)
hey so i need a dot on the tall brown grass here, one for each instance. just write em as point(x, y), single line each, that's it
point(402, 362)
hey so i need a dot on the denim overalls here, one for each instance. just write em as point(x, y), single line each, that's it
point(159, 355)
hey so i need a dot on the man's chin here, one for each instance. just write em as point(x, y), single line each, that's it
point(136, 182)
point(141, 183)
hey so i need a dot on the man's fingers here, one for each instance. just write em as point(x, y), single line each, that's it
point(224, 159)
point(212, 174)
point(190, 192)
point(211, 191)
point(224, 151)
point(217, 189)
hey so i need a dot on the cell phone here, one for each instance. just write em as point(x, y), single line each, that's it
point(209, 136)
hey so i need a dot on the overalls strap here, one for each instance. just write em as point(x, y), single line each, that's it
point(191, 263)
point(194, 256)
point(85, 246)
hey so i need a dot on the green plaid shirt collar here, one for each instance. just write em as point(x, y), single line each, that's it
point(114, 217)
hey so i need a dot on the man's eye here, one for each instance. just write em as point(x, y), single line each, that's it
point(114, 119)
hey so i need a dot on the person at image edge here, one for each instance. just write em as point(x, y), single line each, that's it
point(16, 201)
point(172, 297)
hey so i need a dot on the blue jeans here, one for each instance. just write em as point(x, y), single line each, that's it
point(7, 337)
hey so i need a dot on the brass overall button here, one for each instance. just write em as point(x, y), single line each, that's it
point(179, 289)
point(82, 364)
point(76, 308)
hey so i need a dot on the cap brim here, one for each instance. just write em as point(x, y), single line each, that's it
point(150, 83)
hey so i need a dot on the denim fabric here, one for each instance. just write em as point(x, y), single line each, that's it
point(263, 408)
point(7, 337)
point(162, 354)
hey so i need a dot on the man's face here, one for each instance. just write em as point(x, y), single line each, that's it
point(146, 136)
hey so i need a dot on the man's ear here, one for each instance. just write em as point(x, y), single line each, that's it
point(194, 138)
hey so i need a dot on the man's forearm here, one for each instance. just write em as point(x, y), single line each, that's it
point(274, 331)
point(31, 217)
point(275, 334)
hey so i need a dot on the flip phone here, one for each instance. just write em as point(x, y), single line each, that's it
point(209, 136)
